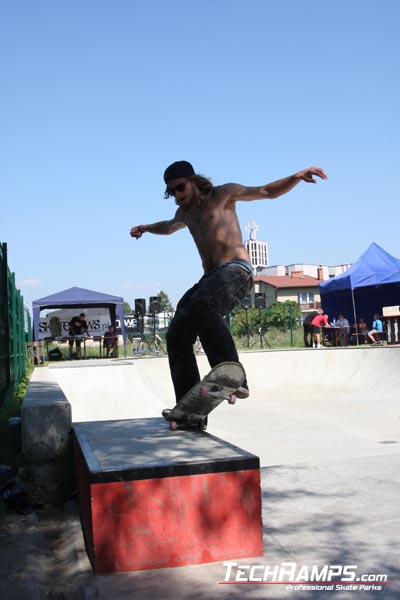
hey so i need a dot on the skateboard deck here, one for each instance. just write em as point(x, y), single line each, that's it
point(218, 385)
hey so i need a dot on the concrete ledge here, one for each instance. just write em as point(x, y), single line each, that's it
point(46, 418)
point(150, 498)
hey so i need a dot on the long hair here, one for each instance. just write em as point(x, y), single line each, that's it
point(203, 184)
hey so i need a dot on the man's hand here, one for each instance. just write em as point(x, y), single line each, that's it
point(307, 174)
point(137, 231)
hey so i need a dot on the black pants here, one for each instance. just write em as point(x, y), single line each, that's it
point(201, 312)
point(308, 330)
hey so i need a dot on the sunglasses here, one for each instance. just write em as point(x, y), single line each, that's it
point(180, 187)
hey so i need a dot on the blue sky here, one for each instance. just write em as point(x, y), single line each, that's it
point(98, 97)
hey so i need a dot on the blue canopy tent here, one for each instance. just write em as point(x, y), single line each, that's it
point(76, 297)
point(371, 283)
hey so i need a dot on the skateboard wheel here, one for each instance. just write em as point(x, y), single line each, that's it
point(203, 391)
point(232, 399)
point(173, 426)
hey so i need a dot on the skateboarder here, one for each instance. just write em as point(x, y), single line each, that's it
point(209, 212)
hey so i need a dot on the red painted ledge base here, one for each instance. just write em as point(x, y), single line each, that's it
point(163, 521)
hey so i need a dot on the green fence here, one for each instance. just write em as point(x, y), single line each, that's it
point(15, 330)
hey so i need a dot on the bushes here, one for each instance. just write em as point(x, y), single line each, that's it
point(279, 316)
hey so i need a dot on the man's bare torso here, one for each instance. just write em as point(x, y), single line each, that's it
point(214, 225)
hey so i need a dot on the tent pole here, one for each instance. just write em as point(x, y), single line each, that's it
point(354, 313)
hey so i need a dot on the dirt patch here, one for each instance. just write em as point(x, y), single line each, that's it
point(42, 555)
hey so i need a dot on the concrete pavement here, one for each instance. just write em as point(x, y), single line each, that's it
point(325, 424)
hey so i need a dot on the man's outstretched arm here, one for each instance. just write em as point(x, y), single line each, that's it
point(279, 187)
point(160, 228)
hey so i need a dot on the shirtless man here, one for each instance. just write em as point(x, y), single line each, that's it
point(209, 212)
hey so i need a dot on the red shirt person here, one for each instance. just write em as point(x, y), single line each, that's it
point(321, 320)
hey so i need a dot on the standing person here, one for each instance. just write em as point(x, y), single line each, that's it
point(77, 326)
point(308, 329)
point(377, 328)
point(318, 322)
point(209, 212)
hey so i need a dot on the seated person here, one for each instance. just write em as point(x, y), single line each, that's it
point(110, 342)
point(344, 325)
point(360, 332)
point(77, 326)
point(376, 331)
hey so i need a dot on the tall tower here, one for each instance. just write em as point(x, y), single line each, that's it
point(257, 249)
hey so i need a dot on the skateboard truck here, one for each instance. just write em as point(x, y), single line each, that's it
point(191, 412)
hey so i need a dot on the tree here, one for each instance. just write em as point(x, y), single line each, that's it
point(279, 314)
point(165, 302)
point(127, 309)
point(239, 321)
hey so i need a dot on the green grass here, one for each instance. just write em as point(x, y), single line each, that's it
point(275, 338)
point(10, 437)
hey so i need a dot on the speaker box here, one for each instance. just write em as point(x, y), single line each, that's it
point(154, 304)
point(260, 301)
point(246, 302)
point(140, 306)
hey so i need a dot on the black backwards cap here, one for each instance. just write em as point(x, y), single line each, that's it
point(180, 168)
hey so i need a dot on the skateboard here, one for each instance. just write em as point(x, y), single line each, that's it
point(220, 384)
